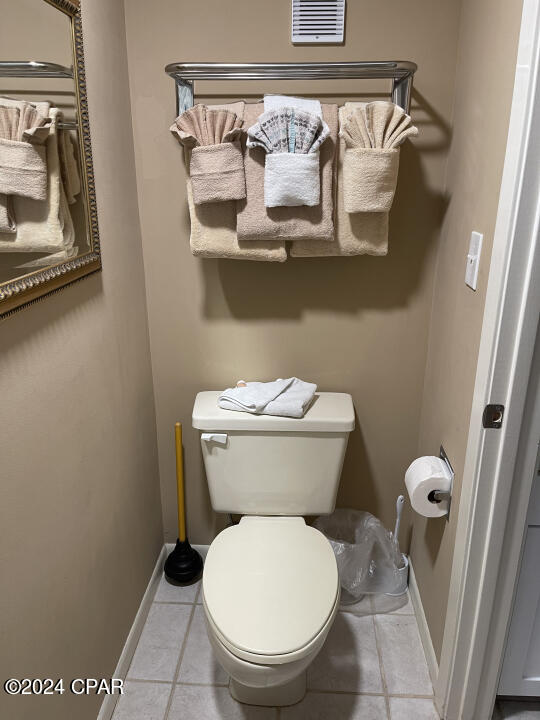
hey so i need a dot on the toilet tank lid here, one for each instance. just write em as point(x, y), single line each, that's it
point(329, 412)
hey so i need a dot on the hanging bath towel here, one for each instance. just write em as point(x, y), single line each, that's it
point(257, 222)
point(363, 233)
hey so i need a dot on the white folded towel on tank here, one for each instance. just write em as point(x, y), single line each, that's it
point(288, 398)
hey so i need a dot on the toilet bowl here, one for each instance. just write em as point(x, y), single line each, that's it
point(270, 583)
point(270, 596)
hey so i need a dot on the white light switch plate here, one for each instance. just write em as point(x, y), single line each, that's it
point(473, 259)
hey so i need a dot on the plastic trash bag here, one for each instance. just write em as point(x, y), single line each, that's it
point(368, 557)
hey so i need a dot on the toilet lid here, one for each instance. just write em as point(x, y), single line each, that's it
point(270, 584)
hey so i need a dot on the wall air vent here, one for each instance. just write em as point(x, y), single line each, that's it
point(318, 21)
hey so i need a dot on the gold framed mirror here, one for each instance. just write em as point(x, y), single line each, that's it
point(49, 234)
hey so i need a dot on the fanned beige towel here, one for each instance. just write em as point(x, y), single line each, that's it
point(203, 125)
point(372, 135)
point(43, 225)
point(356, 233)
point(257, 222)
point(216, 166)
point(25, 121)
point(213, 226)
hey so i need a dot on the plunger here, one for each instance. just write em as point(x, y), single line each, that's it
point(184, 564)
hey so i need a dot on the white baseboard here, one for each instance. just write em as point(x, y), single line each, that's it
point(109, 701)
point(425, 636)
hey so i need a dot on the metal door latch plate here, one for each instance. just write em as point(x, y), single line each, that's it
point(493, 416)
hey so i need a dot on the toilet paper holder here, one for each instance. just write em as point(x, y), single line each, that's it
point(437, 496)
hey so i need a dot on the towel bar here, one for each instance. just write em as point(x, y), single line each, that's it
point(33, 68)
point(401, 72)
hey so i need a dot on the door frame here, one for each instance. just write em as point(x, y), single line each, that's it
point(475, 623)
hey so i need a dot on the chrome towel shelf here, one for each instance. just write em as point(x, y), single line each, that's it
point(33, 68)
point(401, 72)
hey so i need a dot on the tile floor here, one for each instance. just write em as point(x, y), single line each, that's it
point(372, 667)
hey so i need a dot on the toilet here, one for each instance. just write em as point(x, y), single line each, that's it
point(270, 582)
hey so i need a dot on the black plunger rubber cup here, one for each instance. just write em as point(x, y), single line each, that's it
point(184, 564)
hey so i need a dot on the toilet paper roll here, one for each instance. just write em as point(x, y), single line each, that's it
point(423, 476)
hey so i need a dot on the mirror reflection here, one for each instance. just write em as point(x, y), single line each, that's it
point(42, 209)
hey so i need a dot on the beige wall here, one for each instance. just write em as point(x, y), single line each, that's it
point(80, 507)
point(358, 324)
point(485, 74)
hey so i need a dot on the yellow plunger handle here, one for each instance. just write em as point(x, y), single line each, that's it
point(180, 482)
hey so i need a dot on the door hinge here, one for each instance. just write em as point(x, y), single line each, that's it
point(493, 416)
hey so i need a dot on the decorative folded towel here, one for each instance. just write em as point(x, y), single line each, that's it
point(20, 121)
point(25, 121)
point(291, 138)
point(256, 222)
point(43, 226)
point(213, 225)
point(356, 233)
point(217, 173)
point(288, 398)
point(274, 102)
point(23, 169)
point(217, 164)
point(203, 125)
point(372, 135)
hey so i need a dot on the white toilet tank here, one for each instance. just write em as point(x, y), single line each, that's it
point(267, 465)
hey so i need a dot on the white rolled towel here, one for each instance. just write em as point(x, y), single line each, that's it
point(291, 180)
point(289, 398)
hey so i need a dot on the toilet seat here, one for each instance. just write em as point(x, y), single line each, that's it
point(271, 588)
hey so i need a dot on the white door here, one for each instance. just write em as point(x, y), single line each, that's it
point(520, 674)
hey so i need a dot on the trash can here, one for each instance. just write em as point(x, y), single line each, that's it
point(367, 554)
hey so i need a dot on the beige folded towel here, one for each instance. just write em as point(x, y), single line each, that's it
point(372, 134)
point(213, 225)
point(217, 173)
point(43, 225)
point(203, 125)
point(356, 233)
point(29, 122)
point(19, 121)
point(23, 169)
point(213, 234)
point(257, 222)
point(216, 166)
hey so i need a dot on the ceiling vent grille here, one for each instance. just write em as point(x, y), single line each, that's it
point(318, 21)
